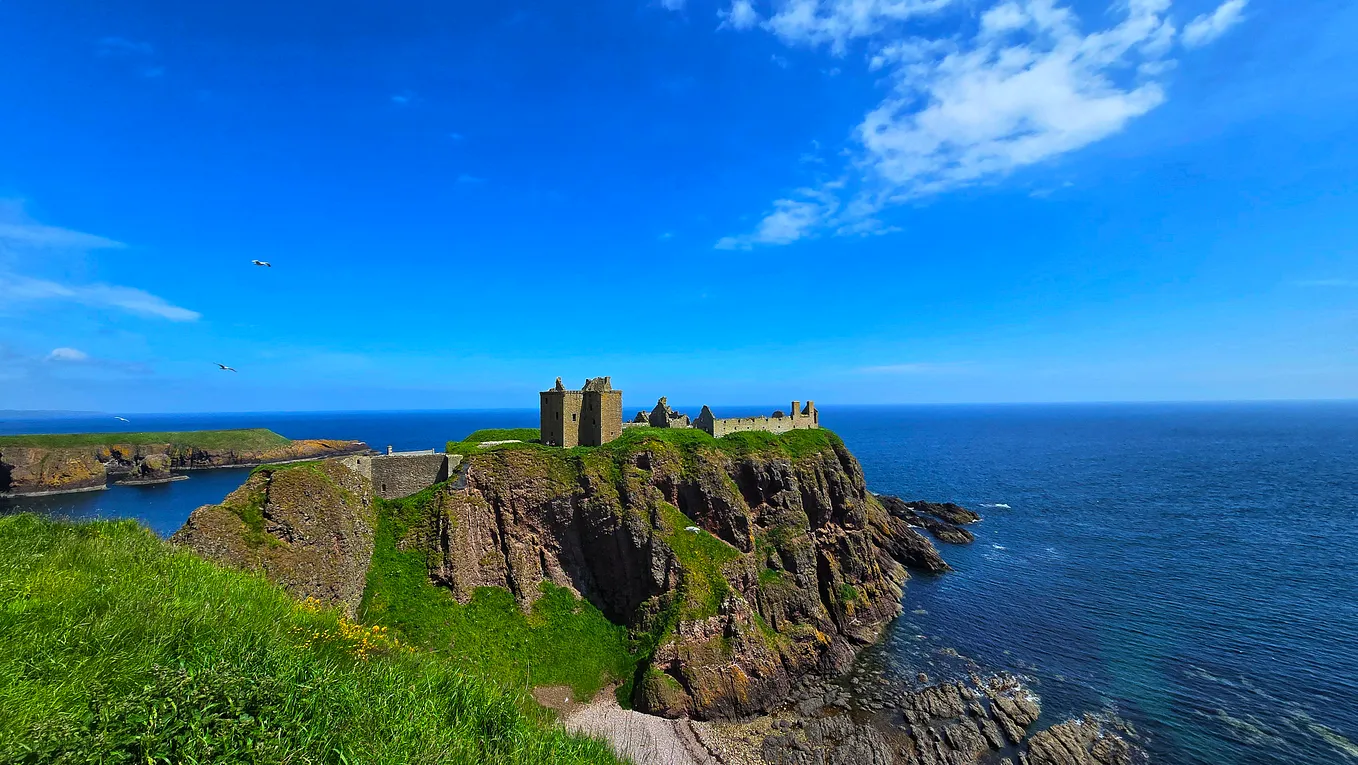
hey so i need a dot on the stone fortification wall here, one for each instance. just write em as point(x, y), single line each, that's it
point(395, 476)
point(801, 418)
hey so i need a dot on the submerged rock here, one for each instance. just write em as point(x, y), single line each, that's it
point(941, 519)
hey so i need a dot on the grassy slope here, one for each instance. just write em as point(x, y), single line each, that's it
point(255, 438)
point(563, 641)
point(118, 648)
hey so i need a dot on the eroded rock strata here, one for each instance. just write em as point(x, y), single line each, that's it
point(30, 470)
point(307, 527)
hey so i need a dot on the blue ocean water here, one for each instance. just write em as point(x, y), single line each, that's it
point(1191, 568)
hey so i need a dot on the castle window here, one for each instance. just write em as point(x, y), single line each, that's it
point(572, 418)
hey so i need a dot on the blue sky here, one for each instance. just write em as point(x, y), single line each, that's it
point(856, 201)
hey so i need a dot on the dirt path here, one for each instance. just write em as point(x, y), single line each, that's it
point(644, 739)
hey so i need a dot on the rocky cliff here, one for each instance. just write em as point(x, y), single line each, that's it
point(47, 469)
point(742, 565)
point(308, 527)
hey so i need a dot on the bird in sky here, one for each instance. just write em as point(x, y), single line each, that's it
point(264, 263)
point(225, 368)
point(124, 419)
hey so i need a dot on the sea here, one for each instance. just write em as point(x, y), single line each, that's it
point(1191, 569)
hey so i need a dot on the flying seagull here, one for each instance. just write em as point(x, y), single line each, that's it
point(124, 419)
point(225, 368)
point(264, 263)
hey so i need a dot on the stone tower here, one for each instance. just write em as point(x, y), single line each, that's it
point(591, 416)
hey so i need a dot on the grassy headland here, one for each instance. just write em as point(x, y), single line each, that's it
point(120, 648)
point(795, 443)
point(212, 440)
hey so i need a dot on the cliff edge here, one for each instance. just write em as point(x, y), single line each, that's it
point(740, 563)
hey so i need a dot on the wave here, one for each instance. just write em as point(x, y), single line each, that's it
point(1000, 505)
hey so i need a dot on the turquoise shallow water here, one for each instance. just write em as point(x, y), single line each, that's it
point(1192, 568)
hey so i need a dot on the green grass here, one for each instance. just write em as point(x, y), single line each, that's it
point(117, 648)
point(701, 556)
point(240, 440)
point(563, 640)
point(471, 444)
point(527, 435)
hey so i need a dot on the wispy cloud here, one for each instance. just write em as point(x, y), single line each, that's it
point(67, 354)
point(404, 98)
point(32, 236)
point(666, 236)
point(782, 62)
point(469, 178)
point(138, 302)
point(1327, 283)
point(26, 245)
point(741, 15)
point(1027, 85)
point(1209, 26)
point(672, 5)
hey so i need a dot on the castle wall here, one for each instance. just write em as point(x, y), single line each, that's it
point(559, 417)
point(610, 412)
point(395, 476)
point(800, 419)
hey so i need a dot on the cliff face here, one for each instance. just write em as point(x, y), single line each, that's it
point(307, 527)
point(40, 469)
point(36, 470)
point(743, 570)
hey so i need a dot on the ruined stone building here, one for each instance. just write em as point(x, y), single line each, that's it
point(662, 416)
point(591, 416)
point(801, 418)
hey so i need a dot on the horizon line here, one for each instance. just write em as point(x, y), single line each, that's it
point(77, 413)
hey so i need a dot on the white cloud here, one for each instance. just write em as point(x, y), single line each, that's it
point(1025, 86)
point(20, 235)
point(1209, 26)
point(741, 15)
point(67, 354)
point(15, 289)
point(790, 220)
point(836, 22)
point(672, 5)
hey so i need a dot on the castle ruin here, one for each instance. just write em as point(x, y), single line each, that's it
point(592, 416)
